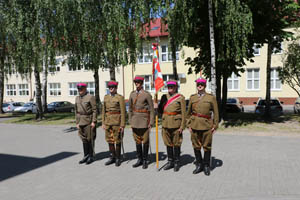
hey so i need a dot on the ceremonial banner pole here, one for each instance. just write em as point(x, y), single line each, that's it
point(158, 83)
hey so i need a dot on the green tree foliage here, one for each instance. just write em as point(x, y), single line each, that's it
point(290, 72)
point(270, 19)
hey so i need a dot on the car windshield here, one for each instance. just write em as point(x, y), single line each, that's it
point(27, 104)
point(231, 100)
point(52, 104)
point(272, 103)
point(5, 105)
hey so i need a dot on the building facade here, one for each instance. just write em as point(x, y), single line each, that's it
point(248, 87)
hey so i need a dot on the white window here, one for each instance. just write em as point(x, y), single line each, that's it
point(252, 79)
point(11, 90)
point(148, 83)
point(73, 89)
point(146, 55)
point(106, 87)
point(91, 88)
point(256, 50)
point(208, 85)
point(166, 54)
point(275, 81)
point(23, 89)
point(233, 82)
point(54, 89)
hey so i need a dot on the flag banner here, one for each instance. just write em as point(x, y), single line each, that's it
point(157, 75)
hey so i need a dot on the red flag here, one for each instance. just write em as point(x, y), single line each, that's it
point(157, 75)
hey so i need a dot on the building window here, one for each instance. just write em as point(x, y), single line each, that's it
point(146, 55)
point(256, 50)
point(275, 81)
point(23, 89)
point(233, 82)
point(252, 79)
point(73, 89)
point(167, 77)
point(54, 89)
point(166, 55)
point(106, 87)
point(148, 83)
point(91, 88)
point(11, 90)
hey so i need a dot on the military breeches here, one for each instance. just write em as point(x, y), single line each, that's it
point(172, 137)
point(87, 133)
point(141, 135)
point(201, 138)
point(113, 134)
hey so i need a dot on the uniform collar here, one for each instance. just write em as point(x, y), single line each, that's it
point(139, 92)
point(201, 94)
point(83, 95)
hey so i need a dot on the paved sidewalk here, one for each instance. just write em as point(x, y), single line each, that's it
point(41, 163)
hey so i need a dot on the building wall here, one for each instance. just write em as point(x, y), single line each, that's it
point(125, 75)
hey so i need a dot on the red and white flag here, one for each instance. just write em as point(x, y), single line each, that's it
point(157, 75)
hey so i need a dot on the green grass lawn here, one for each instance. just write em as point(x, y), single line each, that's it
point(50, 119)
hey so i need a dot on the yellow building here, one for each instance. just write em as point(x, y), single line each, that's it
point(250, 86)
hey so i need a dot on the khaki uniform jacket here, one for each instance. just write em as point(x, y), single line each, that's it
point(204, 106)
point(85, 110)
point(113, 110)
point(178, 120)
point(142, 102)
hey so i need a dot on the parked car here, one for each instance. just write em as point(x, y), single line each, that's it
point(297, 106)
point(29, 107)
point(233, 105)
point(60, 106)
point(11, 106)
point(275, 107)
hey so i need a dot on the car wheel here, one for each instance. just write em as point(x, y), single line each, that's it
point(72, 110)
point(54, 111)
point(29, 111)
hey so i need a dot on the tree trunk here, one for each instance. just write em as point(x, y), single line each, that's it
point(173, 48)
point(224, 97)
point(212, 48)
point(45, 82)
point(97, 93)
point(112, 73)
point(38, 92)
point(1, 81)
point(268, 81)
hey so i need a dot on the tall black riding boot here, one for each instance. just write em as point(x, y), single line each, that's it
point(199, 161)
point(176, 159)
point(145, 155)
point(118, 155)
point(112, 158)
point(91, 154)
point(139, 152)
point(170, 163)
point(85, 152)
point(207, 163)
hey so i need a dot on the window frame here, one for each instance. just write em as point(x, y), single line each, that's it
point(56, 90)
point(232, 79)
point(253, 79)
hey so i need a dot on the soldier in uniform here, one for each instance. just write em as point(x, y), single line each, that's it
point(172, 107)
point(86, 120)
point(201, 125)
point(141, 117)
point(113, 119)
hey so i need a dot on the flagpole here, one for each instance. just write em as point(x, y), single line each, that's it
point(156, 128)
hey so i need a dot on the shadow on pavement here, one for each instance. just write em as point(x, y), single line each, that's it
point(186, 159)
point(102, 155)
point(215, 163)
point(13, 165)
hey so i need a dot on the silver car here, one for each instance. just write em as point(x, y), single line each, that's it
point(29, 107)
point(11, 106)
point(297, 106)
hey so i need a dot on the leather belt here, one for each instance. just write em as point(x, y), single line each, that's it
point(113, 113)
point(200, 115)
point(172, 113)
point(141, 111)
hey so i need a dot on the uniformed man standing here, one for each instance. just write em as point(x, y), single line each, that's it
point(172, 107)
point(201, 125)
point(113, 120)
point(141, 117)
point(86, 119)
